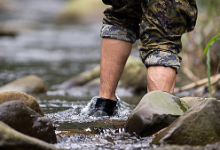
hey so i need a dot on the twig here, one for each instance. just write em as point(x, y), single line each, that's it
point(189, 74)
point(214, 79)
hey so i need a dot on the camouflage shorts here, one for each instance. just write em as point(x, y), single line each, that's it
point(159, 24)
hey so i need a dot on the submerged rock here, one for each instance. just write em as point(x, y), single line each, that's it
point(27, 84)
point(27, 121)
point(200, 125)
point(28, 100)
point(155, 111)
point(13, 140)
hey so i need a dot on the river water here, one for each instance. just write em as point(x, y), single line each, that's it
point(56, 53)
point(76, 131)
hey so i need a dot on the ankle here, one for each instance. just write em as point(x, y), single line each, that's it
point(107, 96)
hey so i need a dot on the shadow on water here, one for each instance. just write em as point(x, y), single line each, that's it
point(76, 131)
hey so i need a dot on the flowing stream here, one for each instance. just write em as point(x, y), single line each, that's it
point(56, 53)
point(76, 131)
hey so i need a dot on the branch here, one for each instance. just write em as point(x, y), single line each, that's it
point(214, 79)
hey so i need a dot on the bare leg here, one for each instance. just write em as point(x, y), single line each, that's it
point(114, 54)
point(161, 78)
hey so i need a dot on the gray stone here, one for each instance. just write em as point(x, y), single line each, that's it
point(13, 140)
point(27, 84)
point(200, 125)
point(155, 111)
point(27, 121)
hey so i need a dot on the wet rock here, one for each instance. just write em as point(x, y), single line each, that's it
point(215, 146)
point(13, 140)
point(200, 125)
point(133, 77)
point(27, 121)
point(28, 100)
point(155, 111)
point(27, 84)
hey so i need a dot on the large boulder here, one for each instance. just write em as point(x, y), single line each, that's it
point(155, 111)
point(200, 125)
point(13, 140)
point(28, 100)
point(27, 121)
point(27, 84)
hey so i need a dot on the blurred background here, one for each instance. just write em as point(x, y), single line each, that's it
point(58, 39)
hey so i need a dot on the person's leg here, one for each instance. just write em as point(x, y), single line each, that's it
point(120, 29)
point(114, 54)
point(161, 33)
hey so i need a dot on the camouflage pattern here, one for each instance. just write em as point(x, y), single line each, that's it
point(159, 24)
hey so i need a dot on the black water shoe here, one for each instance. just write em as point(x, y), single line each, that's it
point(102, 107)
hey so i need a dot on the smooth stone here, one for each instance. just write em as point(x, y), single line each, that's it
point(191, 101)
point(155, 111)
point(27, 84)
point(28, 100)
point(14, 140)
point(27, 121)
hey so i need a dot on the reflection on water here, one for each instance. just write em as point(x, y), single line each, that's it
point(76, 131)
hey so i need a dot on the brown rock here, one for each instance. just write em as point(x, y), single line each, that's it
point(13, 140)
point(28, 100)
point(27, 121)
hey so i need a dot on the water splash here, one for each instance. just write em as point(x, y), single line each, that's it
point(109, 139)
point(77, 131)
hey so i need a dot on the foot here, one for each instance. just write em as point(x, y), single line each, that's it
point(102, 107)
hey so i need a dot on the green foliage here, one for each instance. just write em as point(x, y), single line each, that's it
point(207, 52)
